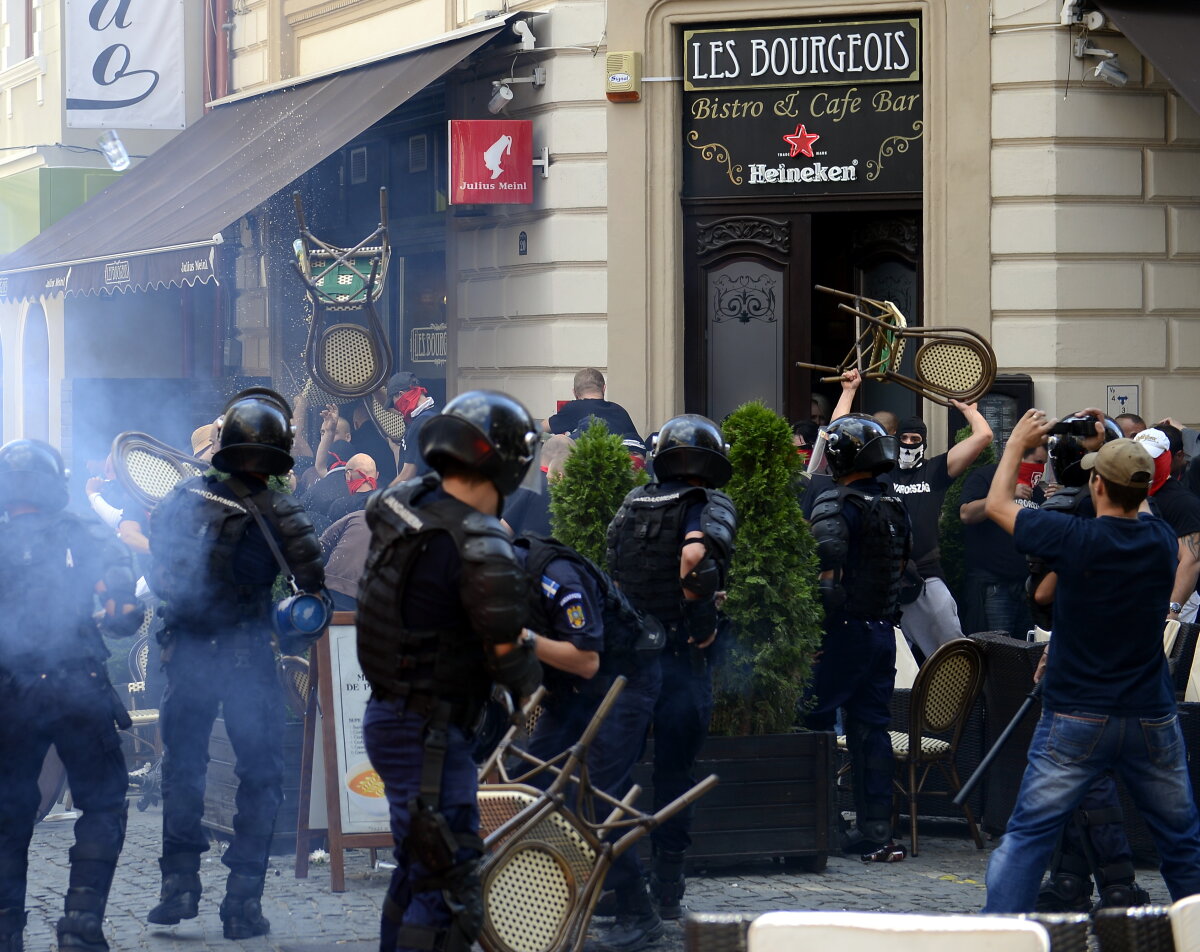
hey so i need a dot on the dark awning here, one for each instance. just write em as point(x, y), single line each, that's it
point(1167, 33)
point(160, 223)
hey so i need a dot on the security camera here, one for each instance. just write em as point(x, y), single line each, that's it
point(528, 40)
point(1110, 72)
point(501, 96)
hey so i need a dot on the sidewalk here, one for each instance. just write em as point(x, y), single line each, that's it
point(306, 917)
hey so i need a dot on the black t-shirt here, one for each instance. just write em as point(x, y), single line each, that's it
point(367, 439)
point(326, 491)
point(989, 549)
point(575, 412)
point(355, 502)
point(923, 488)
point(528, 510)
point(412, 442)
point(1178, 507)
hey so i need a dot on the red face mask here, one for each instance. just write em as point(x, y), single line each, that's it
point(354, 485)
point(1031, 473)
point(805, 454)
point(1162, 472)
point(407, 401)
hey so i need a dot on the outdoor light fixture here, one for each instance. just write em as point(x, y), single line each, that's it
point(1109, 67)
point(528, 40)
point(502, 95)
point(114, 151)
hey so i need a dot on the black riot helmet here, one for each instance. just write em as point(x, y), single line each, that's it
point(691, 446)
point(858, 443)
point(486, 431)
point(1067, 450)
point(255, 434)
point(32, 473)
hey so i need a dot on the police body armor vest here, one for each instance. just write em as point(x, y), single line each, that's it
point(436, 664)
point(872, 581)
point(1070, 501)
point(194, 536)
point(645, 538)
point(49, 566)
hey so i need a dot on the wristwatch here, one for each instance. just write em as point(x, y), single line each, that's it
point(1174, 608)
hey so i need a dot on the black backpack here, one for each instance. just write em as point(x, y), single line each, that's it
point(631, 639)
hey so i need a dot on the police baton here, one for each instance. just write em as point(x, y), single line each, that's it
point(973, 781)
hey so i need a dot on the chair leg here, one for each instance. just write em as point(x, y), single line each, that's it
point(912, 801)
point(952, 772)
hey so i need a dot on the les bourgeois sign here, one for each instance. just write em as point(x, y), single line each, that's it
point(491, 161)
point(803, 109)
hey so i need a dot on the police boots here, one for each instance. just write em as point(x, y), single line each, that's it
point(81, 929)
point(638, 925)
point(667, 883)
point(12, 924)
point(241, 909)
point(179, 897)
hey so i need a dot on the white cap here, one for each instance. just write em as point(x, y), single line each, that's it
point(1154, 442)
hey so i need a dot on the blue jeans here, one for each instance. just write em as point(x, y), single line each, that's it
point(1067, 753)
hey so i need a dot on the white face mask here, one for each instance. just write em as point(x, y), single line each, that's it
point(911, 456)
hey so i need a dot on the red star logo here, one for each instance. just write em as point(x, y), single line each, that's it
point(801, 142)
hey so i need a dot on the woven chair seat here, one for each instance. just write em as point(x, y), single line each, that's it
point(931, 746)
point(146, 718)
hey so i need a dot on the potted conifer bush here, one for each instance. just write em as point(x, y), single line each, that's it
point(776, 792)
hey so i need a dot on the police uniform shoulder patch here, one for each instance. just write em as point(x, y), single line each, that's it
point(549, 586)
point(575, 615)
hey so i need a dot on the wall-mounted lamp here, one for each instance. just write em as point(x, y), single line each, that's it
point(502, 93)
point(501, 96)
point(1109, 67)
point(525, 35)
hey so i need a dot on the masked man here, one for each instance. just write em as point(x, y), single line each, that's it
point(414, 403)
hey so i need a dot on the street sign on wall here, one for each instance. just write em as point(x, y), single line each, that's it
point(491, 161)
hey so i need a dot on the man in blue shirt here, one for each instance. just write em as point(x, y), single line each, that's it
point(1107, 700)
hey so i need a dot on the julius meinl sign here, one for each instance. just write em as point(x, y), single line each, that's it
point(803, 109)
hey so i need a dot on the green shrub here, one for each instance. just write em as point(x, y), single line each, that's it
point(596, 478)
point(772, 601)
point(950, 527)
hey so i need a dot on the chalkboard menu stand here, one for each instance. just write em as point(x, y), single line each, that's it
point(322, 701)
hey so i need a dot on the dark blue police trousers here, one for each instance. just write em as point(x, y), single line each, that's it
point(235, 673)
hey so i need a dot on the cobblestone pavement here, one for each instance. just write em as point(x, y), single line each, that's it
point(306, 917)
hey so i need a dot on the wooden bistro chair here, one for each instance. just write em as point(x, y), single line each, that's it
point(297, 683)
point(950, 363)
point(145, 720)
point(547, 851)
point(942, 696)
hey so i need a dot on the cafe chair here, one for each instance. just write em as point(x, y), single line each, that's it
point(942, 697)
point(297, 683)
point(149, 468)
point(145, 720)
point(348, 359)
point(896, 932)
point(950, 363)
point(547, 851)
point(1137, 929)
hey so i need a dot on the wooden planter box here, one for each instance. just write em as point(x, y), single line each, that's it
point(775, 799)
point(222, 783)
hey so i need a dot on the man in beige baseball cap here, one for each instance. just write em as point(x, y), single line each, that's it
point(1124, 462)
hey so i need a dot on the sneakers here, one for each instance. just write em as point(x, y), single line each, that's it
point(667, 883)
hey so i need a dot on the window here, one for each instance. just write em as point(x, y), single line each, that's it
point(19, 22)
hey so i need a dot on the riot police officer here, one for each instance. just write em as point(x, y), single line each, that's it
point(217, 542)
point(863, 541)
point(441, 605)
point(586, 633)
point(669, 548)
point(54, 688)
point(1094, 841)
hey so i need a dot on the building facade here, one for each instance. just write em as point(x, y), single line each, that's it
point(964, 160)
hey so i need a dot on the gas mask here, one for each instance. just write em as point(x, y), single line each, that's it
point(911, 456)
